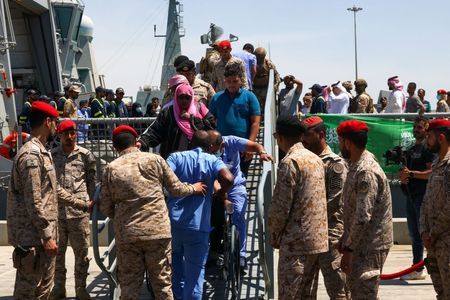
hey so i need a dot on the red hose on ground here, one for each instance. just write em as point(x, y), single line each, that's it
point(403, 272)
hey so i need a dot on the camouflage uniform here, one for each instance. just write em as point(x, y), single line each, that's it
point(442, 106)
point(361, 104)
point(203, 91)
point(218, 76)
point(70, 109)
point(435, 219)
point(76, 172)
point(330, 262)
point(261, 81)
point(368, 228)
point(298, 222)
point(207, 65)
point(32, 217)
point(132, 195)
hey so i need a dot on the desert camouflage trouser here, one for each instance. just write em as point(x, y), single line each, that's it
point(297, 276)
point(34, 276)
point(76, 231)
point(438, 266)
point(333, 276)
point(153, 256)
point(364, 278)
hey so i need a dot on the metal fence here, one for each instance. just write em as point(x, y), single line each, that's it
point(96, 136)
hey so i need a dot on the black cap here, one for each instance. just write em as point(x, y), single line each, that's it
point(187, 65)
point(120, 90)
point(179, 60)
point(32, 92)
point(316, 87)
point(289, 126)
point(249, 46)
point(44, 98)
point(99, 89)
point(59, 94)
point(109, 92)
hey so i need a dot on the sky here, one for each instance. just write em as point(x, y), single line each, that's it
point(312, 40)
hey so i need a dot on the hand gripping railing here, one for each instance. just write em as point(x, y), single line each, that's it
point(110, 271)
point(265, 190)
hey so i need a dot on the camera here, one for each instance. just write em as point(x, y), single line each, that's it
point(395, 156)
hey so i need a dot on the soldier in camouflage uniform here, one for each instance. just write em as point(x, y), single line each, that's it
point(261, 81)
point(298, 213)
point(75, 170)
point(203, 91)
point(32, 208)
point(218, 77)
point(368, 232)
point(207, 63)
point(132, 195)
point(335, 173)
point(434, 215)
point(362, 102)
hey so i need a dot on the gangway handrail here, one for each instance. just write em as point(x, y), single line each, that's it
point(409, 116)
point(265, 191)
point(99, 259)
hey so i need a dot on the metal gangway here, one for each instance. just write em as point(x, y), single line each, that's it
point(257, 283)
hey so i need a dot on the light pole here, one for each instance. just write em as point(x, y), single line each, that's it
point(355, 9)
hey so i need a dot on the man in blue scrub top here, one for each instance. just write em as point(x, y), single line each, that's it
point(190, 216)
point(237, 111)
point(228, 149)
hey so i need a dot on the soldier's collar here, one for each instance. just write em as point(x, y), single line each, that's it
point(128, 150)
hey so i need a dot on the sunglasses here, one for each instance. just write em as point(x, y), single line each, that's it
point(185, 97)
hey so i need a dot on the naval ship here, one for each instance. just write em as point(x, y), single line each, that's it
point(46, 45)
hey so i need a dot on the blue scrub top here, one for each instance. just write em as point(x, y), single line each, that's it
point(193, 212)
point(233, 114)
point(233, 145)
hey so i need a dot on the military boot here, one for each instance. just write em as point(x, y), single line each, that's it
point(82, 293)
point(58, 292)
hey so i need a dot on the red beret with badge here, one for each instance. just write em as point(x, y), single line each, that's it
point(45, 108)
point(441, 92)
point(66, 125)
point(125, 128)
point(312, 121)
point(350, 126)
point(438, 123)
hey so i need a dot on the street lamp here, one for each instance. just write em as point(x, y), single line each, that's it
point(355, 9)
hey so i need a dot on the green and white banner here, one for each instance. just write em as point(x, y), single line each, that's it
point(384, 134)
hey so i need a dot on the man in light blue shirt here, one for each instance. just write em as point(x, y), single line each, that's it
point(190, 216)
point(237, 111)
point(228, 148)
point(249, 59)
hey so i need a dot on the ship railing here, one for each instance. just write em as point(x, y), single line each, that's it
point(100, 259)
point(265, 191)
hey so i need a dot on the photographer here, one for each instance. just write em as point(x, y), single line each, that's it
point(414, 178)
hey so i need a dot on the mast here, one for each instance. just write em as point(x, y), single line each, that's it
point(172, 49)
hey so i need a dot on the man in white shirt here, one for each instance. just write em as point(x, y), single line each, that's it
point(339, 99)
point(397, 98)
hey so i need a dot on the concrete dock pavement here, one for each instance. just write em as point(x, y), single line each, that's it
point(399, 258)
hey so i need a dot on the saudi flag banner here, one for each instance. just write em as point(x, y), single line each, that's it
point(384, 134)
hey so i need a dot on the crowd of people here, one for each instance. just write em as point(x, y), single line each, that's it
point(329, 212)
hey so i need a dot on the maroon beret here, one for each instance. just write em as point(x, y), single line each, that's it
point(45, 108)
point(66, 125)
point(438, 123)
point(351, 126)
point(125, 128)
point(312, 121)
point(441, 92)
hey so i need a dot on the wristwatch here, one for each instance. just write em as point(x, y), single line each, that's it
point(262, 152)
point(411, 174)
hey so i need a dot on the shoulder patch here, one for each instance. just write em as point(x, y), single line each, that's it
point(338, 168)
point(364, 187)
point(31, 163)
